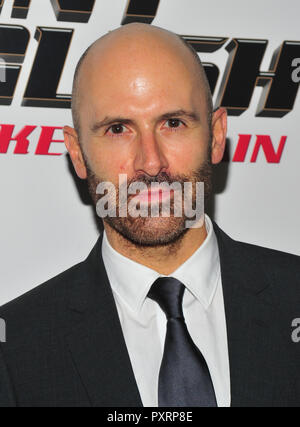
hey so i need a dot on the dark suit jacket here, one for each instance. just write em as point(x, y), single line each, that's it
point(65, 345)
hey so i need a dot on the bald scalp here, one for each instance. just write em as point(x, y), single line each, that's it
point(137, 28)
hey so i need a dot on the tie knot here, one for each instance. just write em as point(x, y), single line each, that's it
point(168, 293)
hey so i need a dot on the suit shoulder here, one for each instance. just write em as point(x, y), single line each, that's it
point(268, 252)
point(282, 269)
point(256, 264)
point(51, 293)
point(273, 259)
point(279, 260)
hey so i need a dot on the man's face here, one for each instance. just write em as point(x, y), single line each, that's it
point(143, 113)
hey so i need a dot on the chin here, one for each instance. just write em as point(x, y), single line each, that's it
point(150, 232)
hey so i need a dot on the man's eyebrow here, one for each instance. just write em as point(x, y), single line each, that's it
point(191, 115)
point(108, 121)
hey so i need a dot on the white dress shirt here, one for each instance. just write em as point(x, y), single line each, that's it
point(144, 323)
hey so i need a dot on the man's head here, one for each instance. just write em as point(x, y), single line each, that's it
point(142, 107)
point(76, 86)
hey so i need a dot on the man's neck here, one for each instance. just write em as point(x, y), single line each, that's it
point(163, 259)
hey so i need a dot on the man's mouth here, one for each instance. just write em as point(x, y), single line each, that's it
point(153, 196)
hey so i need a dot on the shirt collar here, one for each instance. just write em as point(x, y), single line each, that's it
point(132, 281)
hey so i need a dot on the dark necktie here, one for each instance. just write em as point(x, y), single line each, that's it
point(184, 378)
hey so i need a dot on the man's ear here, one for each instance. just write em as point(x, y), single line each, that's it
point(74, 149)
point(219, 131)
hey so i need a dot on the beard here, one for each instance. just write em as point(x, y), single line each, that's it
point(154, 231)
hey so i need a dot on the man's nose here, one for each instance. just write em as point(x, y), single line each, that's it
point(150, 157)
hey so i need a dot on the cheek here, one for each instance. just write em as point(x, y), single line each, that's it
point(102, 163)
point(198, 154)
point(199, 148)
point(190, 155)
point(110, 167)
point(123, 168)
point(112, 158)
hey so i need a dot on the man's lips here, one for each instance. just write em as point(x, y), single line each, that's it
point(153, 195)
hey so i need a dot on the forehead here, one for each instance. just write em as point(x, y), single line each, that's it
point(139, 75)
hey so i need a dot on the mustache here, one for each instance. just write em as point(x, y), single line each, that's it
point(202, 174)
point(160, 178)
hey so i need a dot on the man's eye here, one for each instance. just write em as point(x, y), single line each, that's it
point(174, 123)
point(116, 129)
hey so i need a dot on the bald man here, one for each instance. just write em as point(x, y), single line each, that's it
point(160, 313)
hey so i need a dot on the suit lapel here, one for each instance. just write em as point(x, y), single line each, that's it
point(253, 340)
point(96, 342)
point(101, 358)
